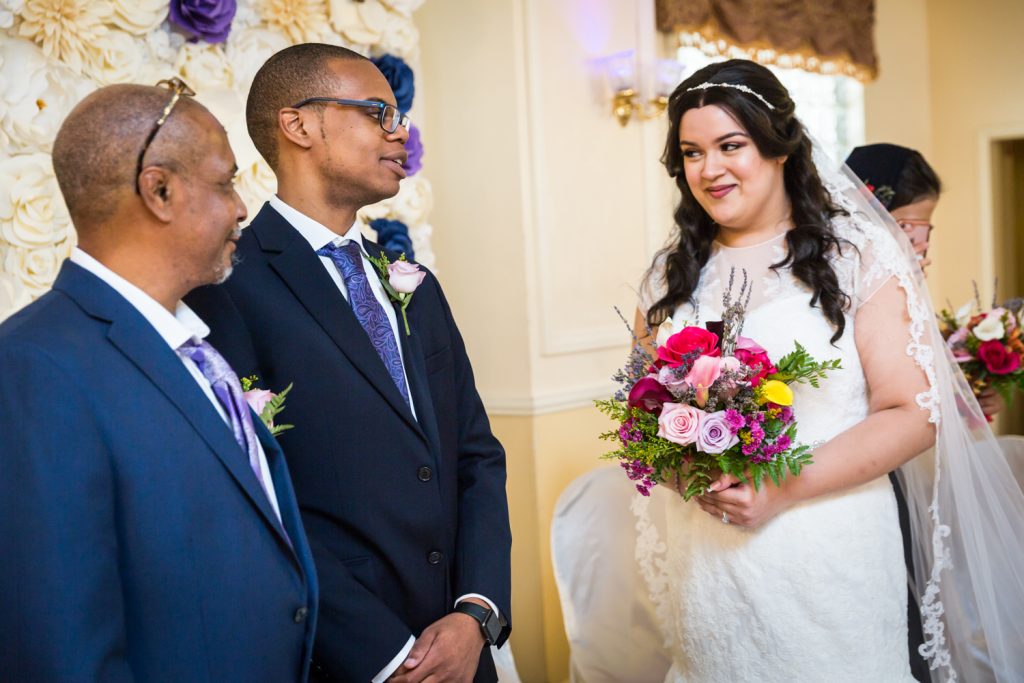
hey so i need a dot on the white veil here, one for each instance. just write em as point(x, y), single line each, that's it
point(966, 508)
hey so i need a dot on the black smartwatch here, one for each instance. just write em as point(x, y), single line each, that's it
point(491, 624)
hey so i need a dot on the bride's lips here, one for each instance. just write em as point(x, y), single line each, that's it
point(396, 162)
point(718, 191)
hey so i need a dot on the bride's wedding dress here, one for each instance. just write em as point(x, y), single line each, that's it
point(819, 592)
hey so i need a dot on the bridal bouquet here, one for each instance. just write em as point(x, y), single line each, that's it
point(988, 345)
point(711, 401)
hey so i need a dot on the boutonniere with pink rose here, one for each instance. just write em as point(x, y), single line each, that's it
point(265, 403)
point(400, 279)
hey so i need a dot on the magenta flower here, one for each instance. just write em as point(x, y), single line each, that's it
point(648, 395)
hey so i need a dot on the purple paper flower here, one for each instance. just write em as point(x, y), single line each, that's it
point(400, 78)
point(206, 19)
point(414, 148)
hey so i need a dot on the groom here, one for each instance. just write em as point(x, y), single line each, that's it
point(400, 481)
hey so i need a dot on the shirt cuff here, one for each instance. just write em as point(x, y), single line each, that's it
point(393, 665)
point(494, 607)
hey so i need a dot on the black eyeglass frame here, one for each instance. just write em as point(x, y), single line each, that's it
point(178, 88)
point(401, 119)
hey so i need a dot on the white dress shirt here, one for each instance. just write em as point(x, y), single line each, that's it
point(319, 236)
point(175, 329)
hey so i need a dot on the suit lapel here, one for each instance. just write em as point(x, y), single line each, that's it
point(135, 338)
point(415, 370)
point(300, 268)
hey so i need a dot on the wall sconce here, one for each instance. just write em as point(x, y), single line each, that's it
point(627, 84)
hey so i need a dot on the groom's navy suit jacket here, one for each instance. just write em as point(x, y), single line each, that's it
point(405, 514)
point(137, 543)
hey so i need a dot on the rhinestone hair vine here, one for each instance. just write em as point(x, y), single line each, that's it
point(743, 88)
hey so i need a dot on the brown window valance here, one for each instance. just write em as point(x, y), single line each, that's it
point(827, 36)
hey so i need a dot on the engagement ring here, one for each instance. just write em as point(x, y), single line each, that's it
point(725, 518)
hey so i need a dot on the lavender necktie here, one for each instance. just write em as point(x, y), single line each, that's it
point(228, 391)
point(368, 311)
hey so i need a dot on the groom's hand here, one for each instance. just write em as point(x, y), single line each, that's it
point(447, 650)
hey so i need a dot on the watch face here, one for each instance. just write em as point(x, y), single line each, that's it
point(491, 627)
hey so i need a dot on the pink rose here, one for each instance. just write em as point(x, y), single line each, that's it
point(715, 435)
point(257, 399)
point(648, 395)
point(998, 359)
point(679, 423)
point(686, 341)
point(405, 277)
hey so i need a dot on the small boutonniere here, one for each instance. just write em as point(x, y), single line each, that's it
point(400, 280)
point(265, 403)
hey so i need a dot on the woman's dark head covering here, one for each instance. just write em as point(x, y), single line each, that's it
point(896, 175)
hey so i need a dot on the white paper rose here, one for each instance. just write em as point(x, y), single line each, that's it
point(420, 235)
point(118, 58)
point(203, 66)
point(35, 96)
point(8, 10)
point(247, 50)
point(414, 200)
point(13, 294)
point(381, 209)
point(401, 38)
point(256, 183)
point(36, 269)
point(67, 30)
point(360, 22)
point(32, 211)
point(138, 17)
point(406, 7)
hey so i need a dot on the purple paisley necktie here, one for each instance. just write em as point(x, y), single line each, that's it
point(368, 311)
point(228, 391)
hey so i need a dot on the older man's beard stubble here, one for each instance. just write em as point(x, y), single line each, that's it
point(225, 272)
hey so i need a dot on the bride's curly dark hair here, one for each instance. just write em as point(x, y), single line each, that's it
point(776, 133)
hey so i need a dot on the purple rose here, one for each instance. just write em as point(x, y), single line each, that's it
point(414, 148)
point(206, 19)
point(399, 76)
point(714, 435)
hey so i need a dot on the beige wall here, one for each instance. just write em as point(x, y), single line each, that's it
point(547, 213)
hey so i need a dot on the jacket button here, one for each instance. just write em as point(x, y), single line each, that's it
point(424, 473)
point(435, 557)
point(300, 615)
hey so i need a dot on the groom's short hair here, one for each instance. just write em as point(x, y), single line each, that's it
point(288, 77)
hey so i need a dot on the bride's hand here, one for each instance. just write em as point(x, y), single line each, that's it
point(743, 505)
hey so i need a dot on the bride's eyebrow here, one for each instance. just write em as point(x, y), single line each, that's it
point(720, 138)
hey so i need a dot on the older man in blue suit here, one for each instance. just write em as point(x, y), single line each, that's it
point(147, 520)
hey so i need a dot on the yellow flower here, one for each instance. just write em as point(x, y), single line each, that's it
point(776, 392)
point(66, 29)
point(301, 20)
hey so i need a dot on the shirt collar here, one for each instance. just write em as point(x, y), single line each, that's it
point(175, 329)
point(317, 234)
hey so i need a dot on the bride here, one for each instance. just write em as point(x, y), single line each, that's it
point(806, 581)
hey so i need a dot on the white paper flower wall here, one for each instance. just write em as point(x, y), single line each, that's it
point(54, 52)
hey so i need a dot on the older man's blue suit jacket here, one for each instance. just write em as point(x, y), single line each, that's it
point(137, 544)
point(404, 513)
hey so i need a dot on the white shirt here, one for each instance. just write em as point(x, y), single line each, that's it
point(175, 330)
point(319, 236)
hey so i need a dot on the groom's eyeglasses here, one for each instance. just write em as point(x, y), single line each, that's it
point(388, 116)
point(178, 88)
